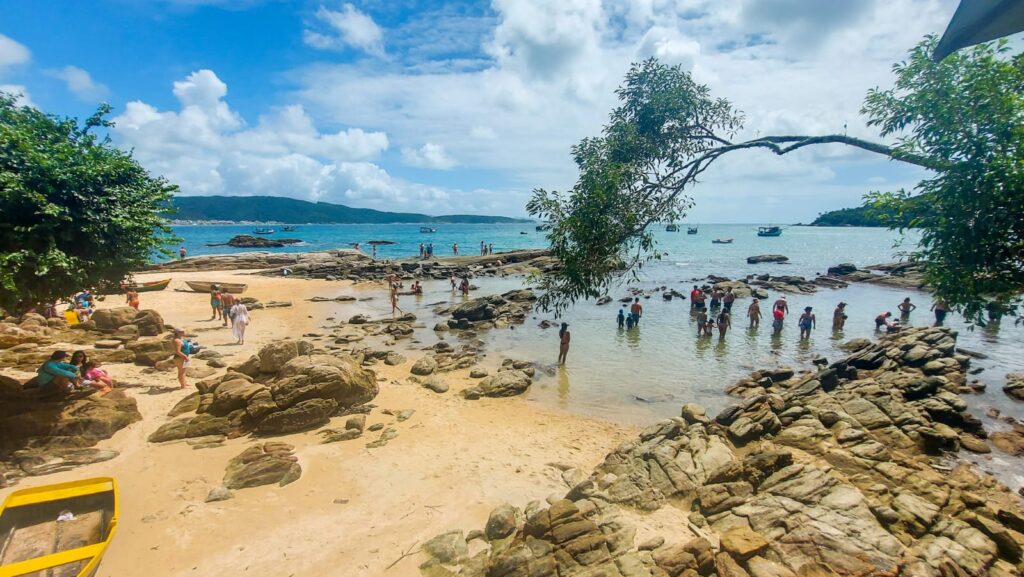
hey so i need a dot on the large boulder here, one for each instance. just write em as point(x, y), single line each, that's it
point(339, 378)
point(479, 309)
point(114, 318)
point(502, 384)
point(263, 465)
point(149, 323)
point(1014, 386)
point(276, 354)
point(149, 352)
point(766, 258)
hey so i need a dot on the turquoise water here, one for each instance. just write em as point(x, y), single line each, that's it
point(649, 372)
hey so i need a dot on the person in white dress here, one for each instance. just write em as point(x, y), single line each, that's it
point(240, 318)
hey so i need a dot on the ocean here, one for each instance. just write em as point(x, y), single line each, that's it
point(649, 372)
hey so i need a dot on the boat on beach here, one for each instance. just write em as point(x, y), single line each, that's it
point(769, 231)
point(206, 286)
point(722, 241)
point(151, 286)
point(61, 529)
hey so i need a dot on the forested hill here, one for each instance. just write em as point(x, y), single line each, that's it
point(290, 210)
point(869, 215)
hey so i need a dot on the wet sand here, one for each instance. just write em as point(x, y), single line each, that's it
point(355, 510)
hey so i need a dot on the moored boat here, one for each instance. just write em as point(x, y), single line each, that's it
point(672, 228)
point(151, 286)
point(60, 529)
point(769, 231)
point(427, 229)
point(691, 230)
point(263, 231)
point(206, 286)
point(722, 241)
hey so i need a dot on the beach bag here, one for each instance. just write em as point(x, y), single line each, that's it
point(190, 347)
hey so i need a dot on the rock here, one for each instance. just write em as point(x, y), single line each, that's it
point(447, 547)
point(219, 494)
point(356, 422)
point(274, 355)
point(652, 543)
point(424, 366)
point(394, 359)
point(436, 384)
point(742, 543)
point(263, 465)
point(761, 567)
point(478, 373)
point(726, 566)
point(766, 258)
point(501, 523)
point(148, 323)
point(974, 444)
point(674, 559)
point(842, 269)
point(302, 416)
point(149, 352)
point(248, 241)
point(503, 384)
point(1014, 386)
point(1010, 442)
point(113, 318)
point(694, 413)
point(358, 320)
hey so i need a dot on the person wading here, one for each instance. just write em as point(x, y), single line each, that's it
point(563, 342)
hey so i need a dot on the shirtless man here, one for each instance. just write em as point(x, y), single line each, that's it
point(754, 312)
point(636, 310)
point(727, 299)
point(696, 298)
point(227, 300)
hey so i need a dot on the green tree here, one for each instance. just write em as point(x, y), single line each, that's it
point(75, 212)
point(961, 119)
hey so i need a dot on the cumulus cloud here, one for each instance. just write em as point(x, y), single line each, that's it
point(346, 27)
point(80, 83)
point(12, 52)
point(206, 147)
point(429, 155)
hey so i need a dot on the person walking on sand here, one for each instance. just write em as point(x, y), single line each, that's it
point(806, 322)
point(636, 310)
point(905, 308)
point(239, 321)
point(181, 253)
point(754, 313)
point(724, 323)
point(563, 342)
point(621, 319)
point(882, 320)
point(131, 296)
point(227, 301)
point(839, 317)
point(727, 299)
point(215, 302)
point(181, 353)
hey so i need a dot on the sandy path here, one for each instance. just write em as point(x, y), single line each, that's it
point(355, 510)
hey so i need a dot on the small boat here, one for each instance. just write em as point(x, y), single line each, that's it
point(722, 241)
point(151, 286)
point(288, 228)
point(769, 231)
point(61, 529)
point(205, 286)
point(263, 231)
point(523, 232)
point(691, 230)
point(427, 229)
point(672, 228)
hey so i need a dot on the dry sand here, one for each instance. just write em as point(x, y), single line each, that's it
point(355, 510)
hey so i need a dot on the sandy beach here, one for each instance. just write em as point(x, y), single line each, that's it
point(355, 510)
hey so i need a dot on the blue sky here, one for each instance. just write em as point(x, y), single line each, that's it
point(445, 107)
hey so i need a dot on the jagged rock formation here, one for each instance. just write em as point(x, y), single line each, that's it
point(287, 387)
point(819, 473)
point(493, 311)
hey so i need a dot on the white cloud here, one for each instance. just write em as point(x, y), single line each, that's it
point(347, 27)
point(21, 95)
point(80, 83)
point(207, 148)
point(429, 155)
point(12, 52)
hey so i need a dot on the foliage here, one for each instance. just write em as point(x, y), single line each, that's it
point(279, 209)
point(966, 112)
point(960, 118)
point(75, 212)
point(630, 177)
point(872, 214)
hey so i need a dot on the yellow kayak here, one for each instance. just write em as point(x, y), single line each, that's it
point(59, 530)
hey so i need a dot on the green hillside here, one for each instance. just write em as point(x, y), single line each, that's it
point(868, 215)
point(280, 209)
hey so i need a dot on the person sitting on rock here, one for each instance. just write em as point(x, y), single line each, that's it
point(97, 378)
point(56, 376)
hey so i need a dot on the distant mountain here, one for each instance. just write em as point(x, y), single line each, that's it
point(290, 210)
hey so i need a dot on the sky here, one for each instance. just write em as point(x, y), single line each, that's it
point(457, 106)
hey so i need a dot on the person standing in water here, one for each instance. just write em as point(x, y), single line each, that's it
point(806, 322)
point(754, 313)
point(839, 317)
point(563, 343)
point(702, 321)
point(451, 279)
point(882, 320)
point(941, 309)
point(696, 298)
point(181, 253)
point(782, 304)
point(621, 319)
point(905, 308)
point(724, 323)
point(727, 299)
point(716, 298)
point(455, 249)
point(636, 310)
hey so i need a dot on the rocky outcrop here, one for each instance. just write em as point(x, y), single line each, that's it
point(263, 464)
point(40, 436)
point(811, 473)
point(287, 387)
point(1014, 386)
point(248, 241)
point(503, 384)
point(767, 258)
point(494, 311)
